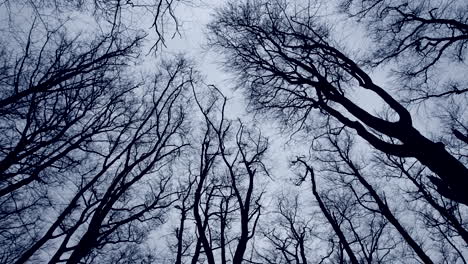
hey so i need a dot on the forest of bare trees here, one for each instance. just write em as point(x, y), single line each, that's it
point(115, 149)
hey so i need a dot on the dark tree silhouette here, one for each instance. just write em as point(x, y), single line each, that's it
point(86, 145)
point(125, 181)
point(449, 214)
point(113, 13)
point(288, 63)
point(358, 199)
point(55, 98)
point(111, 152)
point(58, 97)
point(420, 36)
point(289, 235)
point(329, 215)
point(149, 148)
point(343, 153)
point(225, 190)
point(424, 43)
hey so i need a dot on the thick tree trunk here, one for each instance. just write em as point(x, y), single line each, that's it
point(453, 175)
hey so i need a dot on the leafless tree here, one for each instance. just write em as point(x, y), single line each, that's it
point(288, 237)
point(351, 198)
point(226, 188)
point(289, 65)
point(424, 43)
point(113, 13)
point(55, 98)
point(342, 148)
point(87, 144)
point(125, 184)
point(423, 37)
point(439, 211)
point(183, 233)
point(58, 97)
point(98, 156)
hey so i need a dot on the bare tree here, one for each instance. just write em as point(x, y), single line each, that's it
point(55, 98)
point(226, 188)
point(58, 97)
point(342, 148)
point(424, 43)
point(285, 59)
point(113, 14)
point(87, 146)
point(449, 214)
point(423, 37)
point(153, 142)
point(184, 238)
point(97, 158)
point(102, 207)
point(288, 237)
point(331, 218)
point(365, 193)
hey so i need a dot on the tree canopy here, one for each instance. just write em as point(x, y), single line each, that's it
point(113, 149)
